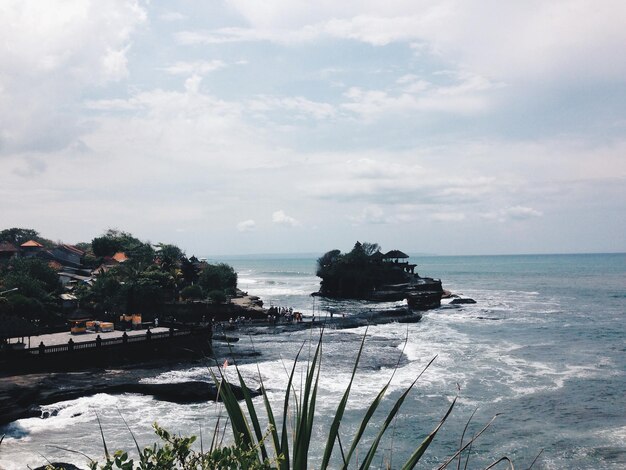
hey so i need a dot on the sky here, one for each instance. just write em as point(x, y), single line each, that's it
point(289, 126)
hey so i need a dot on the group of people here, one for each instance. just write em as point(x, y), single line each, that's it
point(276, 313)
point(238, 321)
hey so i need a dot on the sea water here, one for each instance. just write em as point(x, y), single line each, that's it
point(544, 348)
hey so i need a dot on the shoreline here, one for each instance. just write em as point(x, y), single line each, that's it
point(23, 395)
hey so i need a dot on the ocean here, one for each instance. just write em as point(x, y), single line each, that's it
point(544, 348)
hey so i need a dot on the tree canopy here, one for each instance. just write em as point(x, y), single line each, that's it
point(35, 301)
point(358, 273)
point(115, 240)
point(218, 277)
point(143, 283)
point(17, 236)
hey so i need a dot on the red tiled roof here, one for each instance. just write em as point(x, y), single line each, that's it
point(73, 249)
point(55, 265)
point(120, 256)
point(31, 243)
point(7, 247)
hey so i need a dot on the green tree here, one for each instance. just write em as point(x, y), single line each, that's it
point(105, 295)
point(170, 255)
point(189, 270)
point(115, 240)
point(218, 277)
point(327, 261)
point(370, 248)
point(17, 236)
point(357, 273)
point(217, 296)
point(36, 298)
point(37, 270)
point(192, 292)
point(142, 289)
point(105, 246)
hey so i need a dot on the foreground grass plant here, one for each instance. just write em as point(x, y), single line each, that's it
point(281, 446)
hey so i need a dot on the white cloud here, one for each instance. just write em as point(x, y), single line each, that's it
point(512, 213)
point(393, 180)
point(115, 64)
point(198, 67)
point(192, 84)
point(172, 16)
point(371, 214)
point(280, 218)
point(448, 216)
point(296, 104)
point(379, 141)
point(521, 212)
point(246, 226)
point(465, 95)
point(50, 54)
point(533, 39)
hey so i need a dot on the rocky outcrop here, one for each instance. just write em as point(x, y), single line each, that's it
point(365, 273)
point(58, 466)
point(25, 401)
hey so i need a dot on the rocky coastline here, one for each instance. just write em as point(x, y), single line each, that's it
point(25, 396)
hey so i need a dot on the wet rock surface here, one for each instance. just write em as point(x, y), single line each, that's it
point(59, 466)
point(25, 398)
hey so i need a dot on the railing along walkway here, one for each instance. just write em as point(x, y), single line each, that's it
point(71, 346)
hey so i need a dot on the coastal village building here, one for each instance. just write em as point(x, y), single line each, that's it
point(120, 257)
point(68, 255)
point(395, 256)
point(7, 250)
point(65, 259)
point(31, 248)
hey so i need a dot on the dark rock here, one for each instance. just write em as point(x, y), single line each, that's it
point(25, 402)
point(58, 466)
point(462, 301)
point(184, 392)
point(225, 339)
point(365, 274)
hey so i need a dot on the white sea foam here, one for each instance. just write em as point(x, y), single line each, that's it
point(488, 348)
point(615, 436)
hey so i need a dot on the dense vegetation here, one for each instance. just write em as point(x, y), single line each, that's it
point(17, 236)
point(31, 301)
point(147, 278)
point(356, 274)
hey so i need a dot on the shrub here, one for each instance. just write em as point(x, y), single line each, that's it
point(217, 296)
point(192, 292)
point(218, 276)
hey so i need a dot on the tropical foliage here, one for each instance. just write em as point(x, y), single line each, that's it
point(17, 236)
point(146, 279)
point(356, 274)
point(32, 300)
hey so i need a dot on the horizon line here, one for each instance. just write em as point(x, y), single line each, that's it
point(411, 254)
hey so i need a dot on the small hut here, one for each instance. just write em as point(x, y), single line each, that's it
point(395, 255)
point(7, 250)
point(78, 321)
point(31, 248)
